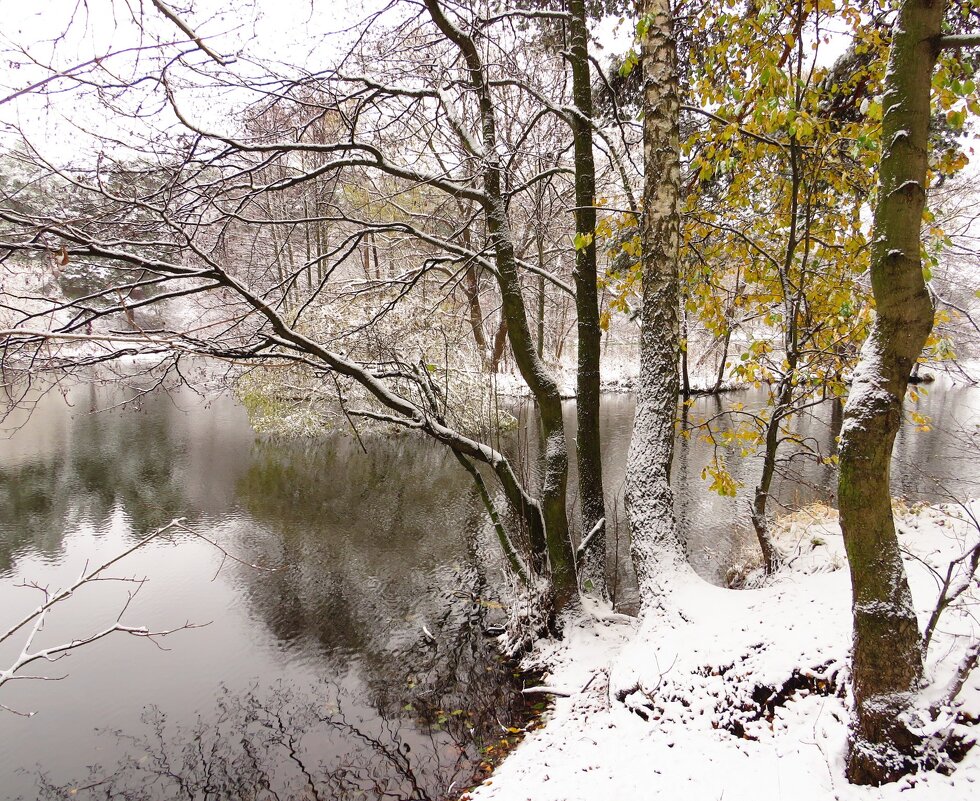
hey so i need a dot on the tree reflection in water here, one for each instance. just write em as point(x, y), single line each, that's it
point(280, 744)
point(422, 735)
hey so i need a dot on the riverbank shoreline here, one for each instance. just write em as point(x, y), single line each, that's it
point(742, 694)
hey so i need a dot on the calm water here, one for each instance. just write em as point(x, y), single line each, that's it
point(316, 679)
point(322, 673)
point(928, 466)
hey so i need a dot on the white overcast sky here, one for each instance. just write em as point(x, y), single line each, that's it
point(36, 34)
point(304, 33)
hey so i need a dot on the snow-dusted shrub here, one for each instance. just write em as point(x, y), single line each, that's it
point(425, 353)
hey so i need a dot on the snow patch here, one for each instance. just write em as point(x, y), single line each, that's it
point(741, 694)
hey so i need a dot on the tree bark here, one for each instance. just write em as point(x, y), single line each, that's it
point(655, 546)
point(887, 661)
point(760, 521)
point(587, 443)
point(514, 312)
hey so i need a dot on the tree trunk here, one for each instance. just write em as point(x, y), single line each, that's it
point(587, 443)
point(499, 341)
point(541, 310)
point(720, 378)
point(685, 370)
point(514, 312)
point(649, 500)
point(729, 326)
point(887, 660)
point(760, 520)
point(472, 291)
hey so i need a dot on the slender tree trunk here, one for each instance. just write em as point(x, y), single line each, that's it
point(685, 374)
point(476, 313)
point(587, 444)
point(887, 661)
point(539, 229)
point(366, 259)
point(836, 422)
point(514, 312)
point(725, 344)
point(541, 309)
point(727, 340)
point(561, 330)
point(760, 519)
point(472, 290)
point(783, 407)
point(499, 342)
point(649, 500)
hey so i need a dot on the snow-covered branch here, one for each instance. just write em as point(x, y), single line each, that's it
point(34, 621)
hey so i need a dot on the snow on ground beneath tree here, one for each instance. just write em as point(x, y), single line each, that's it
point(741, 694)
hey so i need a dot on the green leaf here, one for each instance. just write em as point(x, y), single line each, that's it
point(629, 64)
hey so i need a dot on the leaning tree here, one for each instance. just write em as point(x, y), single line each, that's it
point(887, 664)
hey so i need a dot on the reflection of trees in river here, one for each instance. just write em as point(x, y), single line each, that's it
point(374, 546)
point(128, 462)
point(283, 743)
point(930, 465)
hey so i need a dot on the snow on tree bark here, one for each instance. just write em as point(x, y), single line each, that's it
point(887, 661)
point(655, 547)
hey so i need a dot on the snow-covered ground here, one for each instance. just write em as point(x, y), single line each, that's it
point(680, 706)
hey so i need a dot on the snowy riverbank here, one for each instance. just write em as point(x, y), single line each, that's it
point(738, 694)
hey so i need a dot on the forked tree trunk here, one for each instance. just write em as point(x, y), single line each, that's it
point(535, 373)
point(587, 444)
point(649, 499)
point(887, 660)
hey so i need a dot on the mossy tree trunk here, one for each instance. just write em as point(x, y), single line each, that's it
point(587, 444)
point(887, 658)
point(514, 315)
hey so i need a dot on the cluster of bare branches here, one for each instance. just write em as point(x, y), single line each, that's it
point(410, 204)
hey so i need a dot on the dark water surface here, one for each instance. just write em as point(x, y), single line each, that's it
point(317, 676)
point(318, 679)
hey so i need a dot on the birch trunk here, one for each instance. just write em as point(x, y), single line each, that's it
point(655, 547)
